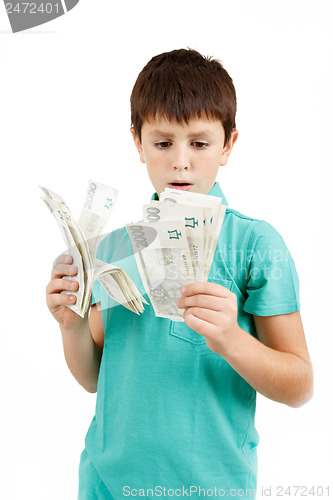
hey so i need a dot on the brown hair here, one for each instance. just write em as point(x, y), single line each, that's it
point(180, 85)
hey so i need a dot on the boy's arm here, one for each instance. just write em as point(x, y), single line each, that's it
point(82, 352)
point(82, 337)
point(277, 365)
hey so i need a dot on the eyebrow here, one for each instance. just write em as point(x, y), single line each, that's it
point(201, 133)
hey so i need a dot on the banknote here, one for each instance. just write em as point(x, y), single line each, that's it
point(174, 245)
point(214, 212)
point(119, 286)
point(164, 261)
point(192, 217)
point(82, 239)
point(75, 245)
point(98, 205)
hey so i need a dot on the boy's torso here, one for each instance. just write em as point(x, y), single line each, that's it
point(170, 411)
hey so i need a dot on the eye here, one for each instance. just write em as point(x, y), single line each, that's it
point(200, 145)
point(162, 144)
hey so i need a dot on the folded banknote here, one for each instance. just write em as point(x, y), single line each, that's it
point(82, 239)
point(174, 245)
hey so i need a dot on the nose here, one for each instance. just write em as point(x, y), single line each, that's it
point(179, 168)
point(181, 160)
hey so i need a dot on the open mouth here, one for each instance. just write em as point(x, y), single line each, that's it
point(180, 185)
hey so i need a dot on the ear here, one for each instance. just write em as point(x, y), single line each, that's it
point(228, 147)
point(138, 145)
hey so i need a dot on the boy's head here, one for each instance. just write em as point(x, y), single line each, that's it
point(180, 85)
point(183, 108)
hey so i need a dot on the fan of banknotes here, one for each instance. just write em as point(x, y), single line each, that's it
point(82, 238)
point(174, 245)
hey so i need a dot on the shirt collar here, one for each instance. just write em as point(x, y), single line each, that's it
point(215, 191)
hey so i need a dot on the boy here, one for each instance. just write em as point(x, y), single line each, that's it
point(176, 401)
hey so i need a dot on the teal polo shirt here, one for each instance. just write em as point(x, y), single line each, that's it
point(170, 413)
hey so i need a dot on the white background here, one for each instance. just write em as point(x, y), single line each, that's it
point(65, 118)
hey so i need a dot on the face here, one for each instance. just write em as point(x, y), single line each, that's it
point(183, 156)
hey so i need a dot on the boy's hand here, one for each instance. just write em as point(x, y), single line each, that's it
point(56, 301)
point(211, 311)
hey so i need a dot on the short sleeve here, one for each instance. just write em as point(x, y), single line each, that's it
point(273, 285)
point(96, 293)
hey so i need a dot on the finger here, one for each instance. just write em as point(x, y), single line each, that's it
point(57, 285)
point(55, 300)
point(63, 259)
point(60, 270)
point(199, 324)
point(201, 300)
point(207, 315)
point(207, 288)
